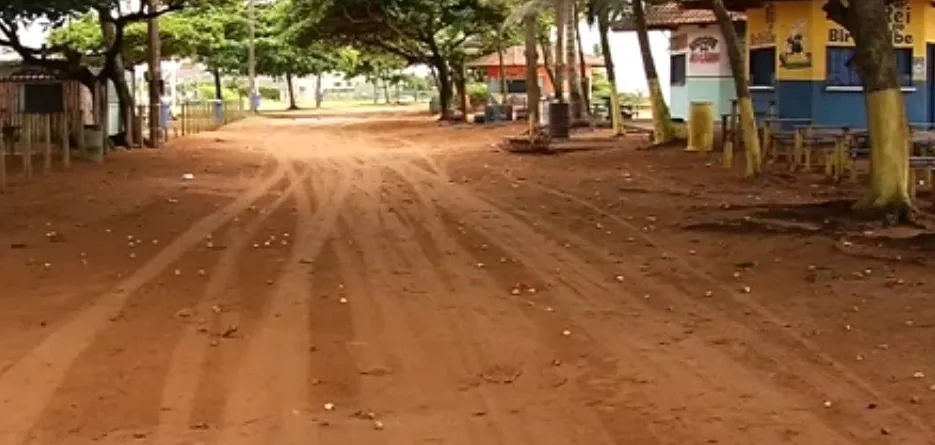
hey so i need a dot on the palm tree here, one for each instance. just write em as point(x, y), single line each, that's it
point(585, 97)
point(558, 76)
point(663, 130)
point(561, 10)
point(528, 14)
point(533, 95)
point(748, 131)
point(601, 11)
point(572, 63)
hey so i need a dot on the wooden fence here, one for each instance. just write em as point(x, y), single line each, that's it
point(28, 137)
point(201, 116)
point(28, 131)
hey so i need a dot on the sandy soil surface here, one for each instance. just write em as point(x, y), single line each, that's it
point(379, 279)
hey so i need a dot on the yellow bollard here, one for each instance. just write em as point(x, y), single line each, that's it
point(701, 127)
point(798, 149)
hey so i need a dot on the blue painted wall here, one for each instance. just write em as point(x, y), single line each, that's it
point(805, 99)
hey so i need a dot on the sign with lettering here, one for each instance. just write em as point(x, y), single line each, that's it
point(900, 17)
point(704, 50)
point(766, 37)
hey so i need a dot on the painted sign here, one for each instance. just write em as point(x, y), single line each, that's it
point(704, 50)
point(766, 37)
point(900, 18)
point(794, 56)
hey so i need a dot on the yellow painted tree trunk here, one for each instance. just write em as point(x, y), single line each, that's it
point(663, 130)
point(875, 62)
point(616, 117)
point(748, 131)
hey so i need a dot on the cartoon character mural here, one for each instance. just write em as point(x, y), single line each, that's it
point(794, 55)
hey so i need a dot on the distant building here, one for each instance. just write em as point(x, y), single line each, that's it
point(514, 61)
point(699, 69)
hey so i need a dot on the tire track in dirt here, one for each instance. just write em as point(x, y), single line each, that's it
point(777, 357)
point(35, 377)
point(354, 354)
point(828, 381)
point(809, 354)
point(269, 394)
point(483, 315)
point(429, 376)
point(687, 365)
point(185, 372)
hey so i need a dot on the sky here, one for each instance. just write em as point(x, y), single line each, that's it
point(624, 46)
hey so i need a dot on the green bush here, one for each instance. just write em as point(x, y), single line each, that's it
point(478, 93)
point(269, 93)
point(600, 85)
point(206, 91)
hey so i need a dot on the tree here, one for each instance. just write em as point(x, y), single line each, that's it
point(417, 31)
point(575, 93)
point(601, 11)
point(69, 62)
point(663, 130)
point(280, 57)
point(380, 69)
point(875, 62)
point(748, 131)
point(527, 14)
point(533, 94)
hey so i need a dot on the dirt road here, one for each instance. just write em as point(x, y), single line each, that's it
point(351, 280)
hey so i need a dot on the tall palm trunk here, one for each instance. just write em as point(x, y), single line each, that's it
point(532, 74)
point(748, 131)
point(571, 61)
point(875, 62)
point(503, 84)
point(546, 47)
point(583, 68)
point(603, 25)
point(560, 20)
point(663, 130)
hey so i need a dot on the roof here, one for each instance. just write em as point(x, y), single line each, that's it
point(516, 56)
point(673, 14)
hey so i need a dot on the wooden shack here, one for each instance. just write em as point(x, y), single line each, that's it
point(40, 115)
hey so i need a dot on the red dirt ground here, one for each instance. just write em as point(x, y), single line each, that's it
point(387, 280)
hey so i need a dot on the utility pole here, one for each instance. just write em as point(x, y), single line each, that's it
point(155, 77)
point(251, 58)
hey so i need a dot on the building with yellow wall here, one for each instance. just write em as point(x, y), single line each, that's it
point(798, 60)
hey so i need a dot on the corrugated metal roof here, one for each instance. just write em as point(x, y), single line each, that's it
point(672, 15)
point(516, 56)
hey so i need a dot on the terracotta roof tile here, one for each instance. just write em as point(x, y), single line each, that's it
point(516, 56)
point(673, 14)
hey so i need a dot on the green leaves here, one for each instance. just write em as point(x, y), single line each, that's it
point(414, 30)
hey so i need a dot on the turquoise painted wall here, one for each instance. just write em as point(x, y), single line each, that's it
point(678, 102)
point(717, 90)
